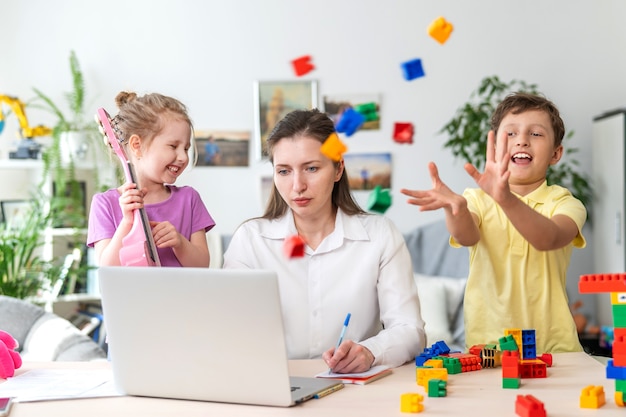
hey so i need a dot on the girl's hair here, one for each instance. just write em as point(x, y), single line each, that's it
point(521, 102)
point(142, 115)
point(316, 125)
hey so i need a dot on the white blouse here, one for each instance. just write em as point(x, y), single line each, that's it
point(363, 267)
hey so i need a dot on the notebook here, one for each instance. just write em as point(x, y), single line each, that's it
point(200, 334)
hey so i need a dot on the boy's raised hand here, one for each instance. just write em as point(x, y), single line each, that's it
point(495, 179)
point(440, 196)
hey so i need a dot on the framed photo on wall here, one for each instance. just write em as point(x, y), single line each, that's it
point(15, 212)
point(222, 148)
point(274, 99)
point(367, 170)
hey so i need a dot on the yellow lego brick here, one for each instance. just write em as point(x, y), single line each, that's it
point(517, 336)
point(592, 397)
point(618, 298)
point(423, 375)
point(434, 363)
point(411, 402)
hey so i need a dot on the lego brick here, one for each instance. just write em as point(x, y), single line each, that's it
point(379, 200)
point(511, 372)
point(602, 283)
point(453, 365)
point(350, 121)
point(517, 335)
point(434, 363)
point(618, 298)
point(620, 385)
point(491, 358)
point(592, 397)
point(368, 110)
point(529, 406)
point(533, 368)
point(468, 361)
point(293, 247)
point(508, 343)
point(403, 132)
point(302, 65)
point(333, 147)
point(440, 347)
point(619, 399)
point(440, 30)
point(412, 69)
point(510, 358)
point(437, 388)
point(476, 350)
point(411, 402)
point(615, 372)
point(546, 358)
point(423, 375)
point(513, 383)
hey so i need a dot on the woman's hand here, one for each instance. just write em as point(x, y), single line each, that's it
point(349, 357)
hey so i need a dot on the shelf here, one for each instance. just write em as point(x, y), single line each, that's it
point(21, 163)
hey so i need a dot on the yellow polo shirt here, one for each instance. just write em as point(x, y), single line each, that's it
point(513, 285)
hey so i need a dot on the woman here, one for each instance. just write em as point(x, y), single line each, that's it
point(354, 262)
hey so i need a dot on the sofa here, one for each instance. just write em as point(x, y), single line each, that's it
point(440, 272)
point(45, 336)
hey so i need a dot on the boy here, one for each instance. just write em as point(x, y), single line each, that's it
point(520, 231)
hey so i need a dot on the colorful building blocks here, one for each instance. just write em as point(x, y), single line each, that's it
point(423, 375)
point(508, 343)
point(533, 368)
point(368, 110)
point(333, 147)
point(411, 402)
point(379, 200)
point(529, 406)
point(293, 247)
point(468, 361)
point(302, 65)
point(403, 132)
point(546, 358)
point(511, 372)
point(592, 397)
point(440, 30)
point(350, 121)
point(437, 388)
point(412, 69)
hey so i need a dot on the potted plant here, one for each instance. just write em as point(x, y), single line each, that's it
point(23, 273)
point(72, 135)
point(471, 123)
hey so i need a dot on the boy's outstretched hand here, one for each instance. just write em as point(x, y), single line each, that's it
point(440, 196)
point(495, 179)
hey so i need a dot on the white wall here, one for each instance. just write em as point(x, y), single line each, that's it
point(208, 54)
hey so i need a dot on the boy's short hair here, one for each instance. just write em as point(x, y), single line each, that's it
point(520, 102)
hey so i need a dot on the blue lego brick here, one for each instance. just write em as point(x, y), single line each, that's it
point(412, 69)
point(615, 372)
point(350, 121)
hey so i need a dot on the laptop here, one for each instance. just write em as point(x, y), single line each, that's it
point(200, 334)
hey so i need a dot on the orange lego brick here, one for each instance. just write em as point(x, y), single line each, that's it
point(602, 283)
point(333, 147)
point(440, 30)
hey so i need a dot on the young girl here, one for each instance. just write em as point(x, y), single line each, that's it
point(156, 134)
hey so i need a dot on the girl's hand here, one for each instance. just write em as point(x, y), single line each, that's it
point(131, 199)
point(165, 235)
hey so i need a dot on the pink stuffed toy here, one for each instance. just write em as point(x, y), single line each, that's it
point(10, 360)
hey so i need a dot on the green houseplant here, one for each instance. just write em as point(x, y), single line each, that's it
point(467, 135)
point(23, 273)
point(72, 134)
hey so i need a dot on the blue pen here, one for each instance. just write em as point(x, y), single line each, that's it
point(343, 332)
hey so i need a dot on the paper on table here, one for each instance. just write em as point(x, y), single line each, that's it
point(57, 384)
point(371, 372)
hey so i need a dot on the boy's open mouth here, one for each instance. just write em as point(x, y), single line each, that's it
point(521, 158)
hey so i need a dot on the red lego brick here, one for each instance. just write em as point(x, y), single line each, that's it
point(468, 361)
point(602, 283)
point(546, 358)
point(510, 358)
point(294, 247)
point(533, 368)
point(529, 406)
point(403, 132)
point(302, 65)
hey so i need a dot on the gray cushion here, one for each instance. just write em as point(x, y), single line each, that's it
point(17, 317)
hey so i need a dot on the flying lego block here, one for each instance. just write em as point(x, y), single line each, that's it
point(379, 200)
point(293, 247)
point(350, 121)
point(302, 65)
point(529, 406)
point(333, 147)
point(412, 69)
point(368, 110)
point(403, 132)
point(592, 397)
point(411, 402)
point(440, 30)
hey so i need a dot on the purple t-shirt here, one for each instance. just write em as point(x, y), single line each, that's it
point(184, 209)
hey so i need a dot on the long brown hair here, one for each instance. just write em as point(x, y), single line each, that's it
point(312, 124)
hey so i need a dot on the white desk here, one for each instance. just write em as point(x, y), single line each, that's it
point(477, 393)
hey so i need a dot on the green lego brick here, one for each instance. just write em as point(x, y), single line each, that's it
point(511, 383)
point(620, 385)
point(437, 388)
